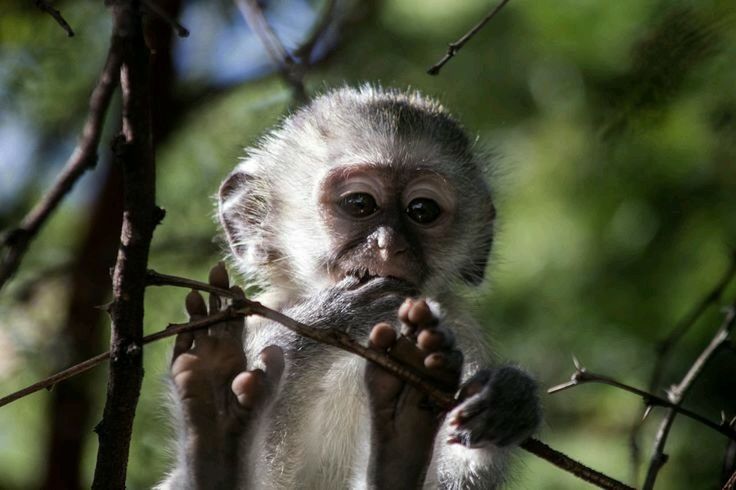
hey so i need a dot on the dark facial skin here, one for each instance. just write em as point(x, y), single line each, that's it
point(382, 219)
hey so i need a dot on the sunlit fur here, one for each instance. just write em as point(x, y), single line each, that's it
point(316, 434)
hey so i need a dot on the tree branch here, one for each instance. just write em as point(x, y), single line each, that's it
point(134, 153)
point(83, 158)
point(152, 7)
point(666, 345)
point(291, 71)
point(582, 376)
point(453, 48)
point(46, 7)
point(731, 483)
point(677, 393)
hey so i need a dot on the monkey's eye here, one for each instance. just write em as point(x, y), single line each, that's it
point(423, 210)
point(358, 204)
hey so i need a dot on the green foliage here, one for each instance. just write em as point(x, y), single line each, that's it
point(613, 126)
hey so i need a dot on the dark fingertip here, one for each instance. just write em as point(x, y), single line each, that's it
point(430, 340)
point(404, 309)
point(382, 336)
point(435, 361)
point(237, 291)
point(195, 304)
point(273, 359)
point(420, 312)
point(218, 276)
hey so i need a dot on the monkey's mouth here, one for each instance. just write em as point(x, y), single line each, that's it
point(361, 277)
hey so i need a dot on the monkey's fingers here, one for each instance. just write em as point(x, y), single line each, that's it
point(274, 363)
point(196, 310)
point(415, 315)
point(182, 344)
point(218, 277)
point(249, 387)
point(382, 336)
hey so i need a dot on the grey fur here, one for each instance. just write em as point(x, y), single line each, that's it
point(316, 433)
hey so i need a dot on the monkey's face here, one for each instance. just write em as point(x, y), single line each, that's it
point(385, 222)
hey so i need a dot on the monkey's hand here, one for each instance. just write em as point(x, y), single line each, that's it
point(219, 397)
point(404, 422)
point(500, 407)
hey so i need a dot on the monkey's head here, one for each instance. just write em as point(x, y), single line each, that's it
point(365, 183)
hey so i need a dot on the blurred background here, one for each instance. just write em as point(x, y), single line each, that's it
point(613, 130)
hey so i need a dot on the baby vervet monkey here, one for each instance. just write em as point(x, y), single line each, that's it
point(359, 200)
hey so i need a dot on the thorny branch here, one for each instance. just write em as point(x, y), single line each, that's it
point(678, 392)
point(582, 376)
point(453, 48)
point(84, 157)
point(665, 346)
point(241, 306)
point(46, 7)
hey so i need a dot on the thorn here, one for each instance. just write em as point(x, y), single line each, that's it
point(563, 386)
point(51, 387)
point(577, 363)
point(723, 417)
point(647, 411)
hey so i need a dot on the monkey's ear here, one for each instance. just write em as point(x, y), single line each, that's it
point(475, 271)
point(241, 214)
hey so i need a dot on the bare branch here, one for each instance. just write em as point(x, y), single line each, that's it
point(291, 71)
point(677, 393)
point(453, 48)
point(133, 150)
point(665, 346)
point(304, 52)
point(171, 330)
point(83, 158)
point(180, 30)
point(582, 376)
point(46, 7)
point(731, 483)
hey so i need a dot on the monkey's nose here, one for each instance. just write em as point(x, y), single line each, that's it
point(389, 242)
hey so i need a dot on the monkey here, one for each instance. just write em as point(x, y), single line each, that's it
point(359, 200)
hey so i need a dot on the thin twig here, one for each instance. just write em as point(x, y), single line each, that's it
point(677, 393)
point(46, 7)
point(582, 376)
point(666, 345)
point(306, 49)
point(83, 158)
point(453, 48)
point(134, 152)
point(172, 329)
point(180, 30)
point(731, 483)
point(291, 71)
